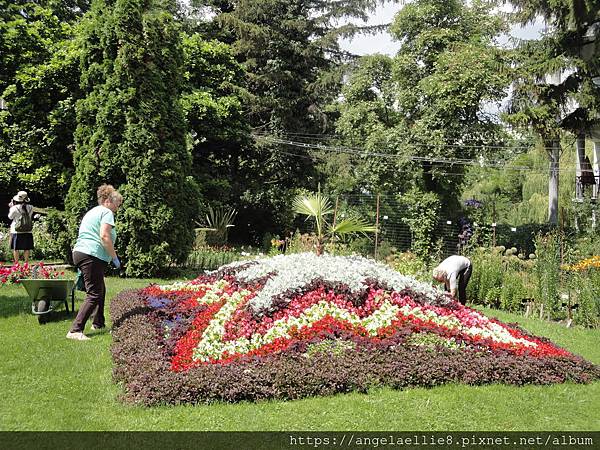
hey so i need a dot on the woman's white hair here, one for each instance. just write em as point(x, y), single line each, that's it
point(437, 273)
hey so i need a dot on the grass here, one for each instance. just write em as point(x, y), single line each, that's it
point(50, 383)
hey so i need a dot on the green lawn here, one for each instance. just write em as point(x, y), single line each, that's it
point(50, 383)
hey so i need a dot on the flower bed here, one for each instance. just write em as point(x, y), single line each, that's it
point(301, 325)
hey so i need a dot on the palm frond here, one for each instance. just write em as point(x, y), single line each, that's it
point(315, 205)
point(352, 225)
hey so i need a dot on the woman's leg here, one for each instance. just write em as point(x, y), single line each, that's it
point(98, 319)
point(93, 276)
point(16, 256)
point(463, 281)
point(26, 256)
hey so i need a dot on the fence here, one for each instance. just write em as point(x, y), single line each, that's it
point(449, 236)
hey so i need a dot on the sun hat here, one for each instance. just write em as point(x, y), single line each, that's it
point(21, 197)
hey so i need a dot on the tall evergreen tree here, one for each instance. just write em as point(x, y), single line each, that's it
point(553, 72)
point(290, 53)
point(131, 130)
point(289, 48)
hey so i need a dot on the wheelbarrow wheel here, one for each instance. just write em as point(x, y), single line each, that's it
point(42, 306)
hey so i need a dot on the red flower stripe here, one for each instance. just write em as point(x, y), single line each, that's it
point(184, 349)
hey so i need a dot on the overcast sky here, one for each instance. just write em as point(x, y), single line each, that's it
point(383, 43)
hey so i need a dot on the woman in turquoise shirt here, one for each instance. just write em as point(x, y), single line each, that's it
point(94, 249)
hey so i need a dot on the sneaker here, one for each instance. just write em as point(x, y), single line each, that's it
point(77, 336)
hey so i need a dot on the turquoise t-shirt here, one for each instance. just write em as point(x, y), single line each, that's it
point(89, 241)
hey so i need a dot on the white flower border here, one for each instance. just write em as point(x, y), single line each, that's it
point(293, 272)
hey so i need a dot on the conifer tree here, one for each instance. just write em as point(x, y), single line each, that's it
point(131, 131)
point(554, 71)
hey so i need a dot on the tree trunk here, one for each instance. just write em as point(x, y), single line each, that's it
point(553, 148)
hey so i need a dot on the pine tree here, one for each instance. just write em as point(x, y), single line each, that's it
point(552, 72)
point(131, 131)
point(290, 53)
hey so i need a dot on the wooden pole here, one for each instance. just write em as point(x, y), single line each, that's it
point(376, 226)
point(337, 201)
point(494, 222)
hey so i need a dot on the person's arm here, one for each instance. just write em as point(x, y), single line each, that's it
point(107, 242)
point(12, 212)
point(452, 284)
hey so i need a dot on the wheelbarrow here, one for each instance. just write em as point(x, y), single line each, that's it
point(46, 294)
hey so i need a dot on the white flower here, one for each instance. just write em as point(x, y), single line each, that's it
point(294, 272)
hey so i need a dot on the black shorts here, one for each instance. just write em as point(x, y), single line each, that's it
point(21, 241)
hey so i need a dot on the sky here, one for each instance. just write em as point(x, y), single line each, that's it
point(383, 43)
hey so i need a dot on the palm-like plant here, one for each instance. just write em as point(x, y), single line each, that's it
point(318, 207)
point(219, 221)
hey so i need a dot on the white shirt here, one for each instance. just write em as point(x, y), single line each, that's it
point(15, 212)
point(452, 266)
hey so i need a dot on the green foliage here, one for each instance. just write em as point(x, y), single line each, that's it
point(39, 77)
point(485, 285)
point(131, 132)
point(52, 239)
point(5, 251)
point(318, 207)
point(513, 199)
point(547, 270)
point(291, 58)
point(211, 258)
point(289, 49)
point(432, 342)
point(552, 72)
point(446, 68)
point(408, 263)
point(500, 278)
point(421, 212)
point(413, 108)
point(513, 292)
point(218, 222)
point(586, 289)
point(335, 347)
point(300, 243)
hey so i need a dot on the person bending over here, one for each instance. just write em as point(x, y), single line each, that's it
point(454, 272)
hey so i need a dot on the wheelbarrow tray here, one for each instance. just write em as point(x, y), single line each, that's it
point(48, 291)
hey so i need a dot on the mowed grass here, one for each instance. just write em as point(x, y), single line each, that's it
point(50, 383)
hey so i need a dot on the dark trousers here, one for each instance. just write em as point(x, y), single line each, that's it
point(463, 280)
point(92, 269)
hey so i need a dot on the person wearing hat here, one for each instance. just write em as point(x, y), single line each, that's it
point(455, 272)
point(93, 251)
point(21, 236)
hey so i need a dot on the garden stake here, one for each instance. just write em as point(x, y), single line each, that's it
point(376, 225)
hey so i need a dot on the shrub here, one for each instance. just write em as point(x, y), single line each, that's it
point(422, 212)
point(300, 243)
point(5, 252)
point(408, 263)
point(547, 272)
point(485, 286)
point(500, 281)
point(210, 258)
point(52, 236)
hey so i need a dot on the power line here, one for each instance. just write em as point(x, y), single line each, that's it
point(442, 161)
point(322, 137)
